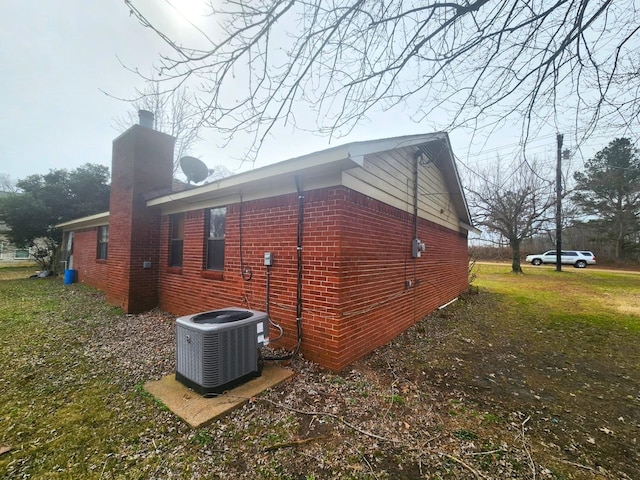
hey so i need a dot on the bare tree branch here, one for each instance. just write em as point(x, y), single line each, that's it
point(7, 185)
point(470, 63)
point(173, 114)
point(516, 207)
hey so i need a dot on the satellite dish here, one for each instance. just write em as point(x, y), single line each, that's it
point(194, 169)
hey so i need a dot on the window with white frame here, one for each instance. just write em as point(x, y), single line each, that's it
point(176, 240)
point(216, 224)
point(21, 254)
point(103, 242)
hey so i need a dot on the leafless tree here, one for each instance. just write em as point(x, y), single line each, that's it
point(464, 63)
point(513, 203)
point(6, 184)
point(173, 114)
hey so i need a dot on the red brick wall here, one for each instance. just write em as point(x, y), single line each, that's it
point(375, 302)
point(356, 262)
point(89, 269)
point(268, 225)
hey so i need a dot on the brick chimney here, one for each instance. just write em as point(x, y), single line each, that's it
point(142, 162)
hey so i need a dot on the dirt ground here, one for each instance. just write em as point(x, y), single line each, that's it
point(469, 392)
point(569, 394)
point(484, 389)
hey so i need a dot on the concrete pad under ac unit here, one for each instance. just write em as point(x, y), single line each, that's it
point(197, 410)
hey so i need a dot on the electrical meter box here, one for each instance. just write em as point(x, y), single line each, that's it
point(417, 248)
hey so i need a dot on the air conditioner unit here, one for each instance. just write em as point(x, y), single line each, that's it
point(217, 350)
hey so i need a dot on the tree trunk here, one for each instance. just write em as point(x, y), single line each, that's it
point(515, 257)
point(619, 235)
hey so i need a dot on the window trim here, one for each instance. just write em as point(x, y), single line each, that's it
point(211, 241)
point(176, 240)
point(17, 257)
point(102, 244)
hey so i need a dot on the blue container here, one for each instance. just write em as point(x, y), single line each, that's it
point(69, 276)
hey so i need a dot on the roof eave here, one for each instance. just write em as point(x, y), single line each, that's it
point(335, 159)
point(470, 228)
point(96, 220)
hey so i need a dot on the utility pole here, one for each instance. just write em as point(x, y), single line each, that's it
point(559, 205)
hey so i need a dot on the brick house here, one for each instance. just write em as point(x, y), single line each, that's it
point(341, 225)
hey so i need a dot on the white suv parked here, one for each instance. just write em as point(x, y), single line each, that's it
point(577, 258)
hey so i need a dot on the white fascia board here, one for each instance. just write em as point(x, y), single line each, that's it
point(96, 220)
point(459, 185)
point(286, 186)
point(470, 228)
point(360, 149)
point(316, 164)
point(320, 163)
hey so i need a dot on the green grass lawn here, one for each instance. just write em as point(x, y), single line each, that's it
point(606, 296)
point(575, 340)
point(58, 410)
point(538, 374)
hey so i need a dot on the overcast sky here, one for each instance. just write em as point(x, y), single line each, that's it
point(57, 59)
point(58, 56)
